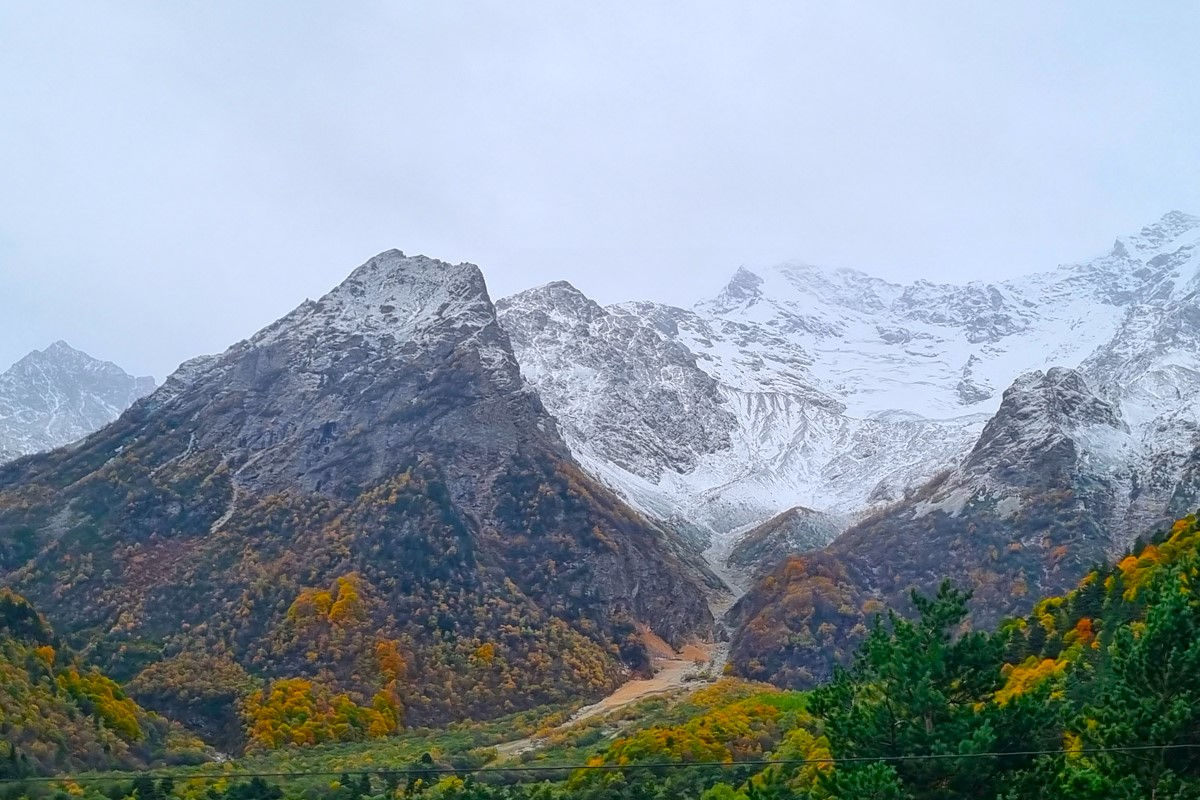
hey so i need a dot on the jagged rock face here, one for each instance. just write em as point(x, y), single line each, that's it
point(1045, 493)
point(1042, 422)
point(849, 392)
point(985, 313)
point(56, 396)
point(379, 439)
point(628, 392)
point(404, 356)
point(970, 389)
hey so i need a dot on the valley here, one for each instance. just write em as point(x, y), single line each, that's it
point(404, 527)
point(675, 674)
point(599, 401)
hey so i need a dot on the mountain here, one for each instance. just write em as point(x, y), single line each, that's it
point(56, 396)
point(364, 508)
point(57, 714)
point(1075, 465)
point(708, 423)
point(633, 405)
point(1049, 490)
point(842, 393)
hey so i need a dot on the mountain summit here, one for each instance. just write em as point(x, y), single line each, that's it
point(56, 396)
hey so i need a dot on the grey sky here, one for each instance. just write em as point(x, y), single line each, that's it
point(175, 175)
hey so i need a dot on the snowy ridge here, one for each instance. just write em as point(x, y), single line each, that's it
point(400, 301)
point(394, 302)
point(1051, 432)
point(839, 391)
point(56, 396)
point(404, 298)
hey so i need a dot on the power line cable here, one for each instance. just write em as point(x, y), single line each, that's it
point(533, 768)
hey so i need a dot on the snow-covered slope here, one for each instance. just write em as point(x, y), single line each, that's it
point(937, 350)
point(837, 391)
point(646, 405)
point(1041, 497)
point(626, 389)
point(58, 395)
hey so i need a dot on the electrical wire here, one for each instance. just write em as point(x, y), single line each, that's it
point(401, 772)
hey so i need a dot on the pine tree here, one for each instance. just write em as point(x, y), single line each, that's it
point(1148, 692)
point(920, 688)
point(144, 788)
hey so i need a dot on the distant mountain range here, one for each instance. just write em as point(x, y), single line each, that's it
point(840, 393)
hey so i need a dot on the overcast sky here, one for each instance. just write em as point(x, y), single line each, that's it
point(175, 175)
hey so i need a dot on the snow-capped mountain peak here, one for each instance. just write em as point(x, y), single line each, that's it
point(1159, 235)
point(835, 390)
point(743, 288)
point(58, 395)
point(398, 303)
point(401, 297)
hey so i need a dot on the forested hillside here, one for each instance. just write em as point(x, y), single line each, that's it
point(58, 714)
point(1097, 692)
point(1095, 695)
